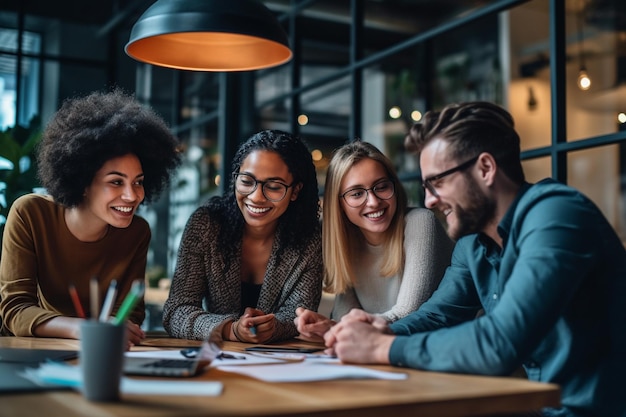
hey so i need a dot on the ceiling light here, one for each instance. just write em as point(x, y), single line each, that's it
point(209, 35)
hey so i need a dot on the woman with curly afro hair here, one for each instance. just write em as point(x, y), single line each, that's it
point(99, 158)
point(249, 258)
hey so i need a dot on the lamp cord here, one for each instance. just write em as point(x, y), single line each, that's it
point(580, 35)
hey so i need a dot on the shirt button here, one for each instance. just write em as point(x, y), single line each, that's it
point(495, 296)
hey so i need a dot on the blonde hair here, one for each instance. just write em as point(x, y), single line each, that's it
point(341, 239)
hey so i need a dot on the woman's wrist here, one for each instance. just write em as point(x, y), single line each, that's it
point(227, 331)
point(235, 328)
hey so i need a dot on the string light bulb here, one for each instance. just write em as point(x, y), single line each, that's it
point(584, 82)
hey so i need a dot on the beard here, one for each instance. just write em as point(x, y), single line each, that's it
point(475, 214)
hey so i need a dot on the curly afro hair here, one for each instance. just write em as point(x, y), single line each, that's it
point(88, 131)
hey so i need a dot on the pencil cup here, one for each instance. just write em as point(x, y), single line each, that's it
point(102, 347)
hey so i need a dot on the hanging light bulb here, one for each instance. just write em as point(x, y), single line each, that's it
point(584, 82)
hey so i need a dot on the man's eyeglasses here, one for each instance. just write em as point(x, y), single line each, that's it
point(427, 183)
point(274, 191)
point(356, 197)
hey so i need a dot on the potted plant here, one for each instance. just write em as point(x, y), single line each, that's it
point(18, 172)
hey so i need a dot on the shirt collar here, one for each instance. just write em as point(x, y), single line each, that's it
point(504, 227)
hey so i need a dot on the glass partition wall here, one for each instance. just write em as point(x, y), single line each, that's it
point(366, 69)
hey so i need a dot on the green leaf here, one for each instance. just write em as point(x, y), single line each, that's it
point(9, 147)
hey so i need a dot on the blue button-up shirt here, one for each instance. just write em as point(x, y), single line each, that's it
point(554, 301)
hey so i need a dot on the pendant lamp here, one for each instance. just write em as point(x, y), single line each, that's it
point(209, 35)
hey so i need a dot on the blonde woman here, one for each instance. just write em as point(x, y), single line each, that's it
point(379, 255)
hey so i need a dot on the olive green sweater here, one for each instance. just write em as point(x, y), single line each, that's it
point(41, 258)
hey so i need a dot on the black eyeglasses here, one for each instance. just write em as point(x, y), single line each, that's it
point(273, 190)
point(356, 197)
point(427, 183)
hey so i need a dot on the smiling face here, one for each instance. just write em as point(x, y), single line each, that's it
point(257, 210)
point(459, 197)
point(115, 192)
point(375, 215)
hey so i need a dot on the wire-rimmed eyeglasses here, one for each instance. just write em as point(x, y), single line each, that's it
point(356, 197)
point(427, 183)
point(273, 190)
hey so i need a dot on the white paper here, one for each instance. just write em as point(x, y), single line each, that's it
point(310, 371)
point(70, 376)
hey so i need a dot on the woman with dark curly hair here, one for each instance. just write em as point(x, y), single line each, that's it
point(99, 158)
point(249, 258)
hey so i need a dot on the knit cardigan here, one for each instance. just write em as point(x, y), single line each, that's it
point(204, 294)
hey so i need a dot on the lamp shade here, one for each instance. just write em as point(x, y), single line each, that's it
point(209, 35)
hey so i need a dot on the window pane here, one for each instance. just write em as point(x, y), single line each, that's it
point(67, 80)
point(529, 92)
point(415, 193)
point(78, 79)
point(537, 169)
point(467, 63)
point(600, 173)
point(597, 44)
point(323, 34)
point(199, 95)
point(29, 99)
point(8, 40)
point(151, 92)
point(8, 84)
point(272, 83)
point(30, 69)
point(394, 98)
point(276, 115)
point(60, 39)
point(327, 111)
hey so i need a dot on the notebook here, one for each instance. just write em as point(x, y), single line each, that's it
point(183, 367)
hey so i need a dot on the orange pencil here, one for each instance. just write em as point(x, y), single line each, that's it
point(76, 301)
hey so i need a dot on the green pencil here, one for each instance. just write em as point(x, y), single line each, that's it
point(132, 298)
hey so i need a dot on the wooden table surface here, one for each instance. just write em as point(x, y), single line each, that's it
point(423, 394)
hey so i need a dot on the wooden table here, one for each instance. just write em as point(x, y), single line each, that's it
point(422, 394)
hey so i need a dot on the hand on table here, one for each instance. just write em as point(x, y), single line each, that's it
point(134, 334)
point(254, 326)
point(360, 337)
point(311, 325)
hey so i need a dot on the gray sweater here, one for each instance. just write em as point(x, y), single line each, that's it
point(427, 249)
point(202, 296)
